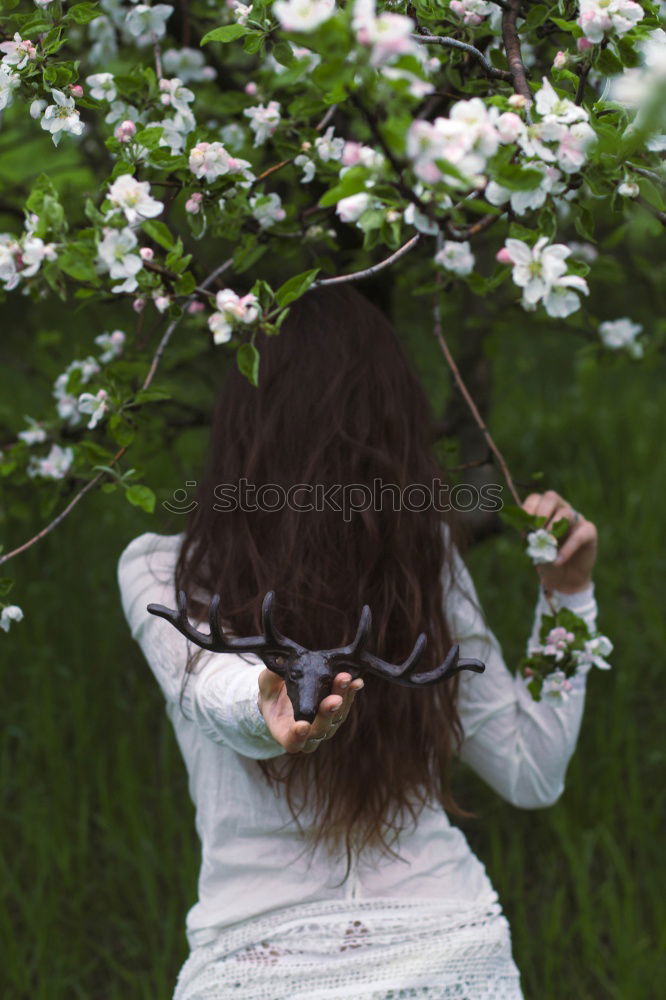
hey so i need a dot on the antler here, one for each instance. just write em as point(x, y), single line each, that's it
point(402, 673)
point(216, 641)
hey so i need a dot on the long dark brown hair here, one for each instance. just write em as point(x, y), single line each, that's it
point(337, 403)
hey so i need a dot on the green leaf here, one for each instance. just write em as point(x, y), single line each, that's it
point(83, 13)
point(352, 183)
point(651, 193)
point(560, 527)
point(518, 517)
point(517, 178)
point(186, 284)
point(121, 431)
point(141, 496)
point(6, 584)
point(159, 232)
point(247, 359)
point(150, 137)
point(151, 396)
point(227, 33)
point(295, 287)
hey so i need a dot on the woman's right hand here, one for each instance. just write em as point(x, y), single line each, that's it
point(304, 737)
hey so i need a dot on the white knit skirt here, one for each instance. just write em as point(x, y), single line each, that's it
point(380, 949)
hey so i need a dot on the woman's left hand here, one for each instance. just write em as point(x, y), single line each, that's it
point(572, 570)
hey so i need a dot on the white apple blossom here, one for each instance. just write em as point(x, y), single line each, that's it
point(541, 273)
point(66, 403)
point(471, 11)
point(176, 130)
point(594, 653)
point(598, 18)
point(308, 167)
point(120, 111)
point(210, 160)
point(510, 126)
point(55, 466)
point(467, 138)
point(10, 613)
point(541, 546)
point(102, 86)
point(35, 433)
point(621, 334)
point(9, 81)
point(189, 65)
point(96, 405)
point(267, 209)
point(62, 116)
point(18, 52)
point(574, 144)
point(329, 147)
point(303, 15)
point(162, 302)
point(103, 36)
point(264, 120)
point(241, 11)
point(352, 208)
point(147, 24)
point(523, 201)
point(231, 309)
point(356, 153)
point(233, 135)
point(112, 345)
point(117, 255)
point(456, 257)
point(548, 102)
point(556, 687)
point(388, 36)
point(33, 252)
point(175, 95)
point(134, 199)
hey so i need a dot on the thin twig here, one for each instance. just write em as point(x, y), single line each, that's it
point(453, 43)
point(369, 271)
point(480, 422)
point(158, 57)
point(462, 235)
point(474, 410)
point(161, 347)
point(512, 48)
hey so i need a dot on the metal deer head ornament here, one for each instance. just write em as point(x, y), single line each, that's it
point(308, 674)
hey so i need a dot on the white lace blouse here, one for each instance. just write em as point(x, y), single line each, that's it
point(254, 867)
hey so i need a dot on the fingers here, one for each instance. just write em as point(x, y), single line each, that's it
point(585, 533)
point(333, 711)
point(549, 505)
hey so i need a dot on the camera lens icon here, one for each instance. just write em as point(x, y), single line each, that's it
point(180, 502)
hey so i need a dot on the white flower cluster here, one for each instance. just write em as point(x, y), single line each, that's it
point(387, 36)
point(541, 273)
point(66, 404)
point(267, 209)
point(232, 310)
point(61, 116)
point(456, 257)
point(147, 24)
point(210, 160)
point(55, 465)
point(599, 18)
point(472, 12)
point(16, 56)
point(21, 257)
point(473, 133)
point(557, 686)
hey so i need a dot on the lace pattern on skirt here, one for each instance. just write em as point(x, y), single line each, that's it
point(359, 950)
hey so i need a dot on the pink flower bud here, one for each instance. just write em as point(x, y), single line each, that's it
point(560, 60)
point(125, 131)
point(193, 203)
point(584, 45)
point(76, 90)
point(517, 101)
point(457, 7)
point(528, 672)
point(503, 256)
point(139, 305)
point(250, 89)
point(195, 307)
point(351, 154)
point(145, 253)
point(161, 302)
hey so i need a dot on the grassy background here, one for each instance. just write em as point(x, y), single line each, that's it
point(99, 856)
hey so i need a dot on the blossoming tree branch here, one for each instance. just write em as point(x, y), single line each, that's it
point(485, 138)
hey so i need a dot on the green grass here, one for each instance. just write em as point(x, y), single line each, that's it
point(99, 856)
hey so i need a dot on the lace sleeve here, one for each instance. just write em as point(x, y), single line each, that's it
point(520, 747)
point(220, 695)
